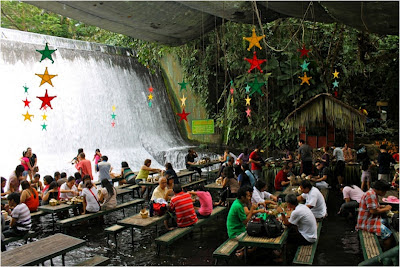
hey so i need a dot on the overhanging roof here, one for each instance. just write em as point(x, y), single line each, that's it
point(177, 22)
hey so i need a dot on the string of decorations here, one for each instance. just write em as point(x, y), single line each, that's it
point(183, 115)
point(113, 116)
point(335, 83)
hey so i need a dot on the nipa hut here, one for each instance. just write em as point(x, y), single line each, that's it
point(322, 118)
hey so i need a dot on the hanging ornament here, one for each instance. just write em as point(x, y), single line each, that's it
point(232, 90)
point(26, 89)
point(304, 51)
point(113, 108)
point(151, 89)
point(113, 124)
point(255, 63)
point(248, 112)
point(27, 116)
point(46, 77)
point(232, 101)
point(335, 93)
point(150, 97)
point(336, 74)
point(44, 117)
point(256, 87)
point(113, 116)
point(183, 115)
point(45, 108)
point(183, 100)
point(304, 66)
point(183, 85)
point(247, 89)
point(46, 100)
point(254, 40)
point(26, 102)
point(46, 53)
point(247, 101)
point(150, 104)
point(44, 126)
point(335, 84)
point(305, 79)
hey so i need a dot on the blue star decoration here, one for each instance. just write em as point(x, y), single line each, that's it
point(44, 126)
point(247, 89)
point(183, 85)
point(335, 84)
point(46, 53)
point(304, 66)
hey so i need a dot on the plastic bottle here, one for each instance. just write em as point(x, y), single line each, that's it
point(279, 201)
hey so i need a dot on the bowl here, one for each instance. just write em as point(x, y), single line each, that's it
point(144, 214)
point(5, 214)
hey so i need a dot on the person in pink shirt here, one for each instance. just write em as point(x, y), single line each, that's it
point(25, 163)
point(97, 156)
point(352, 196)
point(206, 203)
point(84, 166)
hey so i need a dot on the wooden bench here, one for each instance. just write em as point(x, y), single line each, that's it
point(225, 250)
point(37, 214)
point(84, 217)
point(369, 244)
point(133, 187)
point(305, 254)
point(115, 229)
point(185, 173)
point(188, 185)
point(177, 233)
point(26, 237)
point(95, 261)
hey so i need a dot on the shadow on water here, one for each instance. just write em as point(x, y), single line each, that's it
point(338, 244)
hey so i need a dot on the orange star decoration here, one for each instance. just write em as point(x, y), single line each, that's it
point(336, 74)
point(254, 40)
point(27, 116)
point(247, 101)
point(305, 79)
point(183, 115)
point(303, 51)
point(46, 77)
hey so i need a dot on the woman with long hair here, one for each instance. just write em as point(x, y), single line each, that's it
point(29, 196)
point(108, 195)
point(49, 192)
point(16, 178)
point(91, 203)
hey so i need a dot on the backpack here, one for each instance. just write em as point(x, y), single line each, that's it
point(256, 227)
point(270, 227)
point(273, 227)
point(159, 209)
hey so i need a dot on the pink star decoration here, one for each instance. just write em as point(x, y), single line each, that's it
point(248, 112)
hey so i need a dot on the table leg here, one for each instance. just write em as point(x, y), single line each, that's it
point(52, 217)
point(245, 255)
point(63, 259)
point(132, 238)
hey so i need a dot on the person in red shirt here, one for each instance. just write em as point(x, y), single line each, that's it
point(281, 180)
point(256, 163)
point(84, 166)
point(182, 204)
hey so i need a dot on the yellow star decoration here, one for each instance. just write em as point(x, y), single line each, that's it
point(232, 101)
point(27, 116)
point(254, 40)
point(183, 100)
point(336, 74)
point(150, 96)
point(305, 79)
point(46, 77)
point(247, 101)
point(113, 108)
point(44, 117)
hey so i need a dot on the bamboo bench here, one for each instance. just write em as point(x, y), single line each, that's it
point(225, 250)
point(369, 244)
point(37, 214)
point(25, 237)
point(188, 185)
point(185, 173)
point(305, 254)
point(84, 217)
point(95, 261)
point(115, 229)
point(177, 233)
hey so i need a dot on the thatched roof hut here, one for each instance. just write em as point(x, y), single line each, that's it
point(324, 108)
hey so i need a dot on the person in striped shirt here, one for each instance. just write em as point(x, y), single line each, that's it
point(182, 204)
point(20, 217)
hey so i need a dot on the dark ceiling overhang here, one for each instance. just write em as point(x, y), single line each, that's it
point(177, 22)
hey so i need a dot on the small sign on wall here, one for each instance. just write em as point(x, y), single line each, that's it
point(202, 126)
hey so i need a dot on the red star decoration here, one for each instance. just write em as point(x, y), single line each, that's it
point(336, 94)
point(232, 90)
point(46, 100)
point(255, 63)
point(26, 102)
point(303, 51)
point(183, 115)
point(113, 124)
point(151, 89)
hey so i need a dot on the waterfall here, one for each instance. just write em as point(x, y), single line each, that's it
point(92, 78)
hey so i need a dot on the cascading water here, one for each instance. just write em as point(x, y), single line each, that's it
point(91, 79)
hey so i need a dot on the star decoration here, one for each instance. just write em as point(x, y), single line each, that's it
point(255, 63)
point(113, 116)
point(151, 89)
point(305, 79)
point(304, 66)
point(336, 74)
point(113, 124)
point(44, 117)
point(232, 101)
point(26, 88)
point(336, 94)
point(44, 126)
point(232, 90)
point(183, 85)
point(303, 51)
point(256, 87)
point(46, 53)
point(150, 104)
point(46, 77)
point(45, 108)
point(27, 116)
point(113, 108)
point(46, 100)
point(254, 40)
point(26, 102)
point(247, 101)
point(248, 112)
point(335, 84)
point(247, 89)
point(150, 97)
point(183, 115)
point(183, 100)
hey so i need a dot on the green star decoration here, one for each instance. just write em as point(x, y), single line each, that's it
point(304, 66)
point(183, 85)
point(150, 104)
point(247, 89)
point(44, 126)
point(335, 84)
point(256, 87)
point(113, 116)
point(46, 53)
point(26, 88)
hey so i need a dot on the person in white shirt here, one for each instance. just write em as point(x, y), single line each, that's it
point(91, 202)
point(314, 199)
point(68, 190)
point(20, 222)
point(161, 191)
point(340, 163)
point(260, 196)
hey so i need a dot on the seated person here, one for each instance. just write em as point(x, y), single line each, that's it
point(395, 181)
point(91, 203)
point(206, 203)
point(3, 184)
point(229, 163)
point(78, 178)
point(370, 212)
point(230, 184)
point(50, 191)
point(144, 173)
point(81, 185)
point(36, 183)
point(246, 177)
point(314, 199)
point(161, 191)
point(281, 180)
point(170, 173)
point(29, 196)
point(68, 190)
point(182, 205)
point(63, 179)
point(262, 197)
point(189, 161)
point(352, 196)
point(108, 195)
point(320, 180)
point(128, 176)
point(20, 216)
